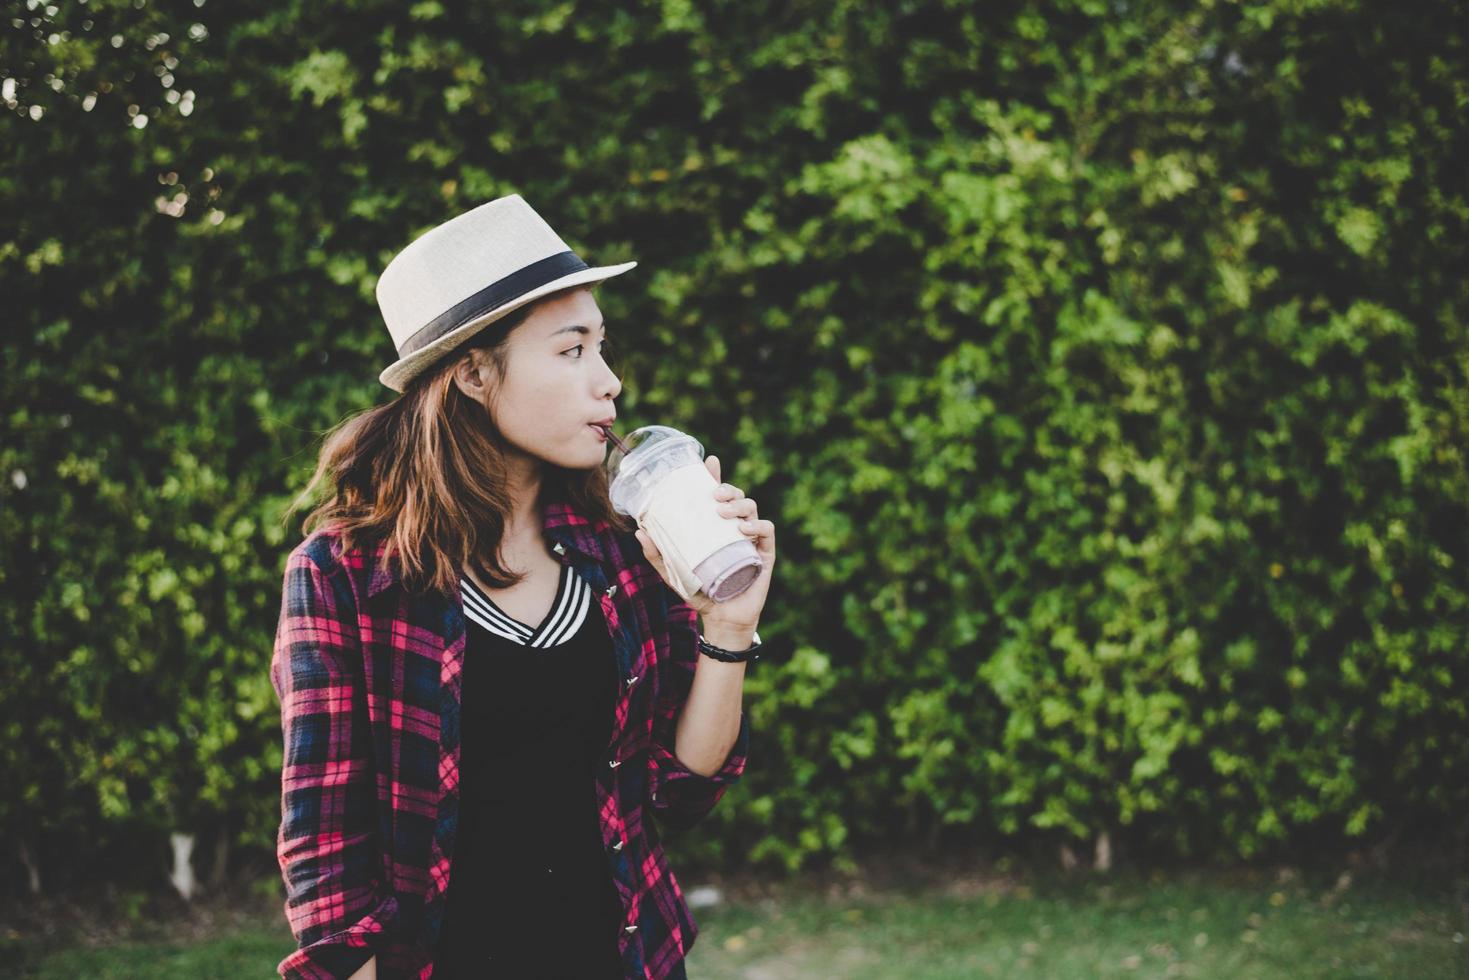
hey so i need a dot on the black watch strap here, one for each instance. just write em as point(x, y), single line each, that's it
point(731, 656)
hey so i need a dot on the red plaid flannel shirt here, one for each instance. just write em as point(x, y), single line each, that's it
point(368, 678)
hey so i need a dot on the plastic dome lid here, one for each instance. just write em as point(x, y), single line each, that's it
point(647, 436)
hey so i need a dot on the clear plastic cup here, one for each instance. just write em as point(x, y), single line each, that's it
point(661, 472)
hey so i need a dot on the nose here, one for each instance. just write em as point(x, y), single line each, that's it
point(609, 384)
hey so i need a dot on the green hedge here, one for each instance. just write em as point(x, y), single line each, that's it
point(1103, 366)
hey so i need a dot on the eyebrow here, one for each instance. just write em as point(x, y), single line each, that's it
point(578, 328)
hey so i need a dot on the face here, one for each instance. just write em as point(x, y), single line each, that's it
point(557, 383)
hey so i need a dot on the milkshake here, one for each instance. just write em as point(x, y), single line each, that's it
point(658, 477)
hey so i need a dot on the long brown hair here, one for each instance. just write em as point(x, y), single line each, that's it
point(426, 473)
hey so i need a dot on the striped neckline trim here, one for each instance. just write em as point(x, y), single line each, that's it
point(568, 612)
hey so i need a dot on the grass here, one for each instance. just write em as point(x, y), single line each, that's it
point(952, 923)
point(1176, 926)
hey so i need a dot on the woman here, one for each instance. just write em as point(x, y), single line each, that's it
point(487, 685)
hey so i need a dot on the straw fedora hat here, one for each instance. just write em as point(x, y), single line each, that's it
point(458, 277)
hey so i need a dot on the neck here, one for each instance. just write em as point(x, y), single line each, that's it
point(527, 511)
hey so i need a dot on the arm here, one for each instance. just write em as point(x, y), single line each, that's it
point(329, 857)
point(709, 724)
point(678, 794)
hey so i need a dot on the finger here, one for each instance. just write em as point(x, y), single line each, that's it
point(650, 551)
point(727, 492)
point(763, 534)
point(712, 462)
point(649, 548)
point(744, 507)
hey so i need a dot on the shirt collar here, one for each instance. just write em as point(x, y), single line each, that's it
point(563, 525)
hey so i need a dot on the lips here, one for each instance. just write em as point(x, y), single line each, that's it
point(605, 423)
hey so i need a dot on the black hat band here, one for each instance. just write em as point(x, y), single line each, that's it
point(495, 295)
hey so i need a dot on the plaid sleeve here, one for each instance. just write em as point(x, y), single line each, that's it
point(679, 796)
point(336, 905)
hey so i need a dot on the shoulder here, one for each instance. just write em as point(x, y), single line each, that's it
point(325, 552)
point(320, 548)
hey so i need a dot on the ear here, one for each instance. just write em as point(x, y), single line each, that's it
point(469, 376)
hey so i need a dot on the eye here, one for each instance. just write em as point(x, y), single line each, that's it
point(605, 347)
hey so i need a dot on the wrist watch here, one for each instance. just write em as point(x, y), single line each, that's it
point(731, 656)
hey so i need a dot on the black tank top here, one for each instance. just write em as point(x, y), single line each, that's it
point(530, 887)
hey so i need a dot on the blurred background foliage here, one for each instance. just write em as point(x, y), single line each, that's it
point(1103, 365)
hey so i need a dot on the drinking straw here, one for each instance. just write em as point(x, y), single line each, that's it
point(616, 441)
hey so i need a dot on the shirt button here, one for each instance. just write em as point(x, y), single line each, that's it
point(629, 928)
point(633, 679)
point(559, 548)
point(617, 846)
point(614, 763)
point(612, 590)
